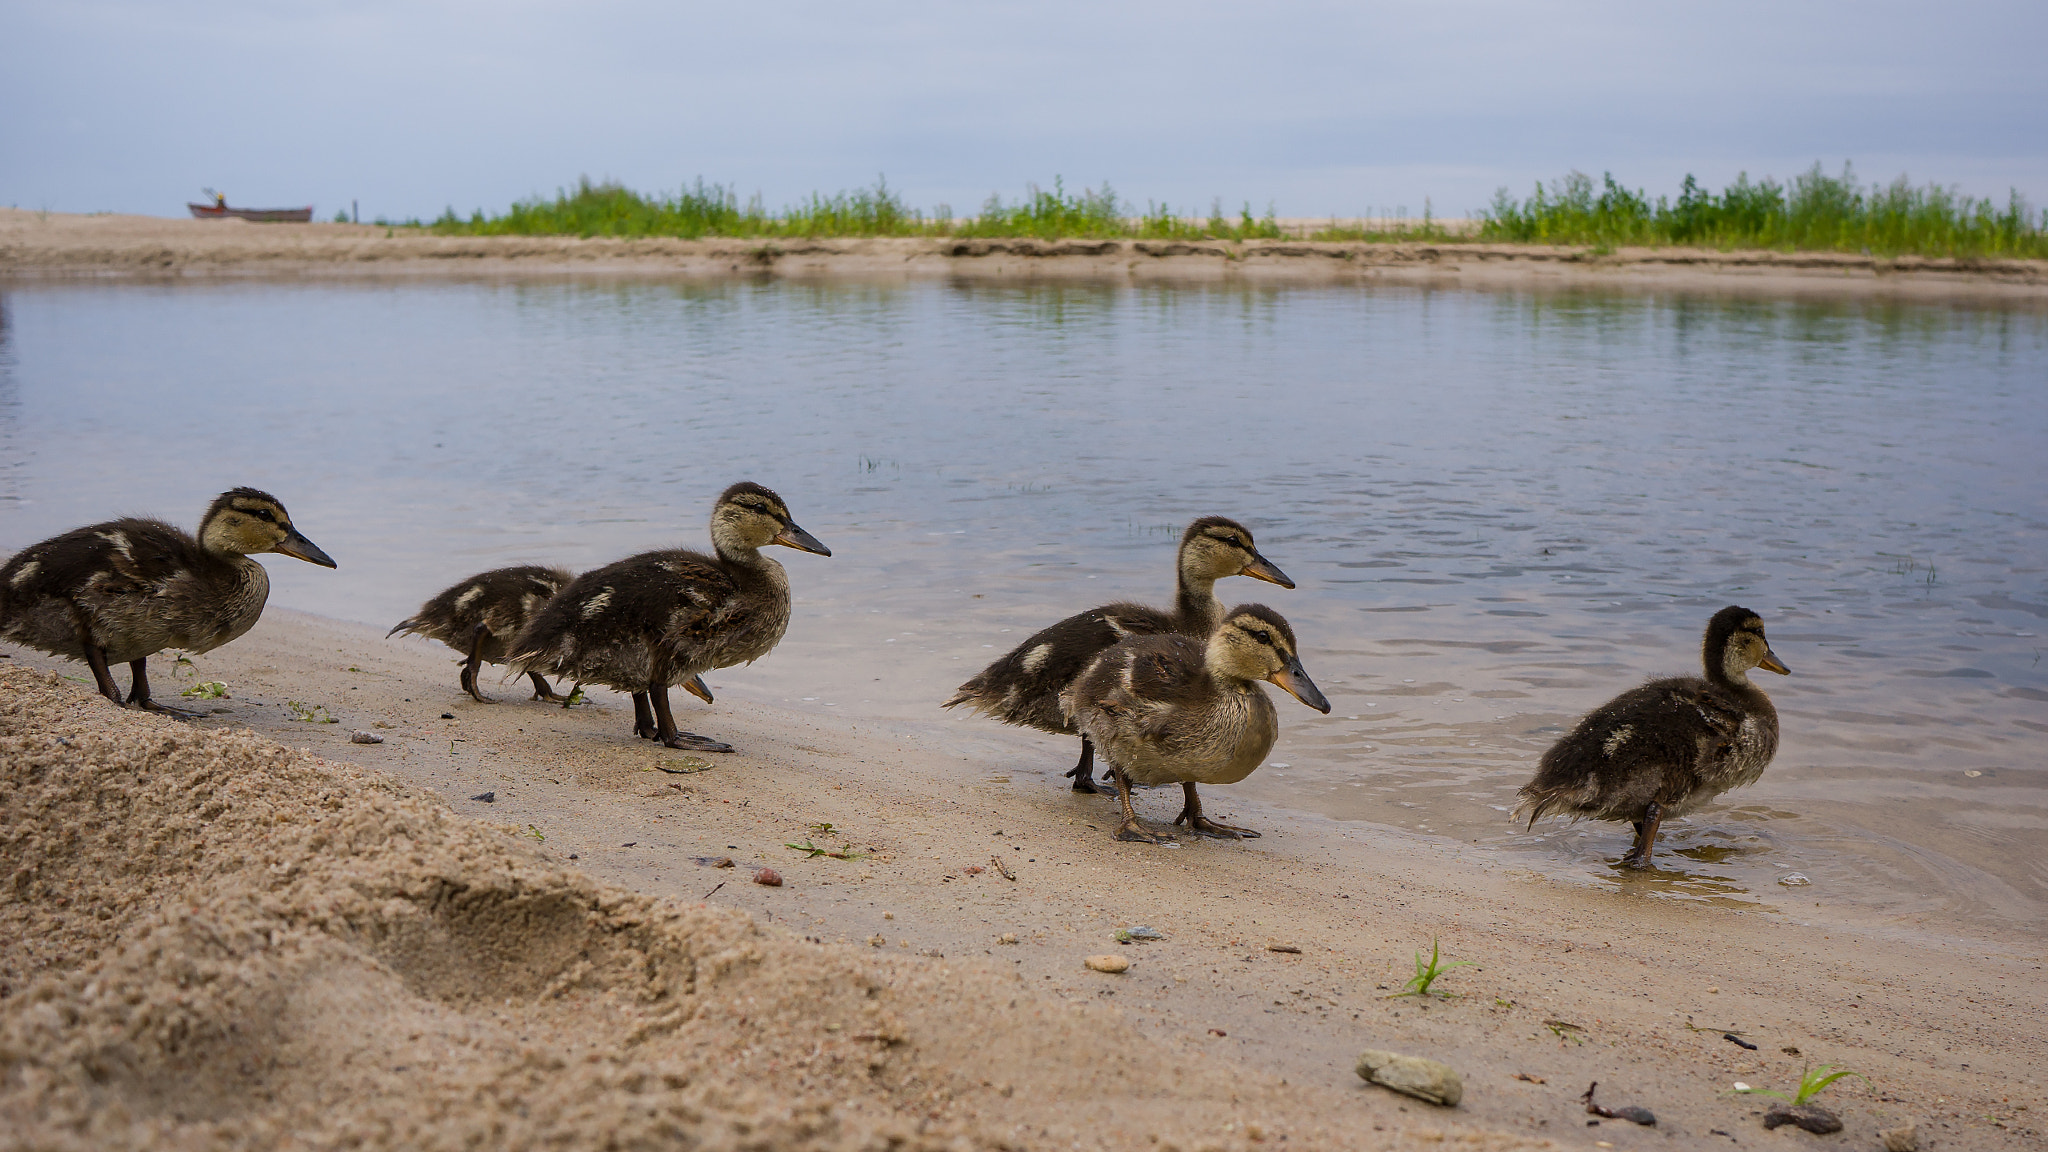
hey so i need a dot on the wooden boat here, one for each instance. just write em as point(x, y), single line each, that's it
point(220, 211)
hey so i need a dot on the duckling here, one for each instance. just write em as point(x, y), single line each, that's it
point(1664, 749)
point(122, 591)
point(480, 616)
point(1171, 708)
point(660, 618)
point(1024, 686)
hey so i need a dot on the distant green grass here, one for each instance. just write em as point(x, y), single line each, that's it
point(700, 209)
point(1815, 212)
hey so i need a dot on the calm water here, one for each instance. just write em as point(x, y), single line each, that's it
point(1500, 508)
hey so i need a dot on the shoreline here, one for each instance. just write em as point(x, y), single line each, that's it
point(1940, 1026)
point(45, 247)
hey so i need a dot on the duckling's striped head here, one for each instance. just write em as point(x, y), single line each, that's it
point(1255, 643)
point(1217, 546)
point(1735, 643)
point(243, 521)
point(750, 517)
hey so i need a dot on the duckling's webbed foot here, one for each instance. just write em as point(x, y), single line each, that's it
point(1083, 772)
point(542, 690)
point(1646, 837)
point(1191, 815)
point(665, 727)
point(1129, 829)
point(138, 693)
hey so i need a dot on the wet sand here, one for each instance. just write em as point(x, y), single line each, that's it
point(197, 922)
point(39, 244)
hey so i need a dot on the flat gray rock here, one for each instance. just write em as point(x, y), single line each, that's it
point(1416, 1076)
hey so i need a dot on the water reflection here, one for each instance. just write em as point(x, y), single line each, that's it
point(1502, 509)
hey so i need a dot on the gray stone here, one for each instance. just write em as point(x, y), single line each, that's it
point(1812, 1117)
point(1415, 1076)
point(1905, 1138)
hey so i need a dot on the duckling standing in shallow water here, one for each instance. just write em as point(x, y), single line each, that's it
point(1024, 686)
point(1662, 750)
point(1171, 708)
point(648, 622)
point(122, 591)
point(479, 617)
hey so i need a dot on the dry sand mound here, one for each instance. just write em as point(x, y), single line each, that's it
point(210, 940)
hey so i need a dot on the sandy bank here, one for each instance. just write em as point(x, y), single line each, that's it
point(209, 939)
point(35, 244)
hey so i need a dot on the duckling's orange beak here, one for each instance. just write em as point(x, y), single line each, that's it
point(1294, 681)
point(299, 548)
point(1261, 568)
point(696, 687)
point(1771, 663)
point(792, 536)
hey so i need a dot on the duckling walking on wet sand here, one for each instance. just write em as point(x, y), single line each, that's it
point(1170, 708)
point(480, 616)
point(656, 620)
point(1024, 686)
point(122, 591)
point(1662, 750)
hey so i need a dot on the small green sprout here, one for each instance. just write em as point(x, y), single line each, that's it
point(812, 851)
point(575, 697)
point(207, 690)
point(183, 667)
point(310, 713)
point(1426, 974)
point(1565, 1031)
point(1812, 1082)
point(534, 832)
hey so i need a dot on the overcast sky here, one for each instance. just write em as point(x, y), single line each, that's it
point(1316, 108)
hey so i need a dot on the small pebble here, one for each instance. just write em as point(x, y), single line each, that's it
point(1416, 1076)
point(1812, 1117)
point(1107, 963)
point(768, 877)
point(486, 797)
point(1713, 990)
point(365, 738)
point(1007, 938)
point(878, 941)
point(1905, 1138)
point(1288, 948)
point(447, 715)
point(1794, 880)
point(714, 861)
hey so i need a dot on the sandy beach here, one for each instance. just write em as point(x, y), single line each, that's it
point(248, 931)
point(50, 244)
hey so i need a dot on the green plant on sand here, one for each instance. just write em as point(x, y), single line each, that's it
point(1426, 974)
point(1812, 1082)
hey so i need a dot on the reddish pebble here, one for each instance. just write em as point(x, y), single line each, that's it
point(972, 869)
point(769, 877)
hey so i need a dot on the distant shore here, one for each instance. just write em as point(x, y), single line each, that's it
point(45, 245)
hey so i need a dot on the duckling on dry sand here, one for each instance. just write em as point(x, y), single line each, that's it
point(658, 619)
point(122, 591)
point(1662, 750)
point(1172, 708)
point(479, 617)
point(1024, 686)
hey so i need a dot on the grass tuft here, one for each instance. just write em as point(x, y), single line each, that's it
point(1812, 1082)
point(1427, 973)
point(1815, 212)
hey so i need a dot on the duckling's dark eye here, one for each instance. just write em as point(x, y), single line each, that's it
point(1263, 637)
point(262, 514)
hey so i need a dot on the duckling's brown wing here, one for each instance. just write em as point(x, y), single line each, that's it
point(121, 557)
point(502, 600)
point(1649, 743)
point(1023, 686)
point(623, 624)
point(1140, 684)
